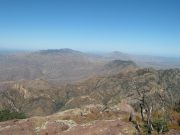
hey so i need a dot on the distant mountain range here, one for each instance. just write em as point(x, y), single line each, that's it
point(69, 66)
point(64, 65)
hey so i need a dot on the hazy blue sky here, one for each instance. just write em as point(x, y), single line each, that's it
point(135, 26)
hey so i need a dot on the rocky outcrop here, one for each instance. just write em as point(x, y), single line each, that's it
point(89, 120)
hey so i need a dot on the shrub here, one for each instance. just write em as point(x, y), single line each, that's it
point(8, 115)
point(160, 124)
point(177, 106)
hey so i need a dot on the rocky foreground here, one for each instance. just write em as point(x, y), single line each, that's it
point(89, 120)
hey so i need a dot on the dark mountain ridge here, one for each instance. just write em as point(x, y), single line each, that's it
point(58, 51)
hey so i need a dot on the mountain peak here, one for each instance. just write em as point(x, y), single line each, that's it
point(57, 51)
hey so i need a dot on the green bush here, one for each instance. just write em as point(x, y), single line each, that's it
point(158, 123)
point(177, 106)
point(146, 129)
point(8, 115)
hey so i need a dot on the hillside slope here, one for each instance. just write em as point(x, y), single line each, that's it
point(39, 97)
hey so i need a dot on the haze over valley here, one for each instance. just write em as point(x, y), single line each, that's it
point(67, 65)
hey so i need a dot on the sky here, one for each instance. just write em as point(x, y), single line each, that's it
point(149, 27)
